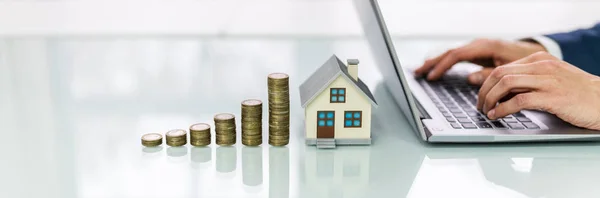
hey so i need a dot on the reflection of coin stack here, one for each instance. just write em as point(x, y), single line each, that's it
point(225, 129)
point(201, 154)
point(252, 166)
point(176, 137)
point(279, 109)
point(200, 134)
point(279, 172)
point(226, 159)
point(252, 122)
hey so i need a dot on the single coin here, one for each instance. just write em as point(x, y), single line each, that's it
point(224, 116)
point(176, 133)
point(279, 137)
point(278, 76)
point(256, 142)
point(200, 127)
point(152, 139)
point(251, 102)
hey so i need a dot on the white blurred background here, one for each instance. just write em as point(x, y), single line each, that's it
point(406, 18)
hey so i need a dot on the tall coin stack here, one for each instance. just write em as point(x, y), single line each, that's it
point(200, 134)
point(279, 109)
point(252, 122)
point(176, 137)
point(225, 129)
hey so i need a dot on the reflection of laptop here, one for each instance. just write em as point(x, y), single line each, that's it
point(444, 111)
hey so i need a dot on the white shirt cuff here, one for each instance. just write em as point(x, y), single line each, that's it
point(551, 46)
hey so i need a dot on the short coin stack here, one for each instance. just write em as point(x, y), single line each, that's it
point(279, 109)
point(252, 122)
point(225, 129)
point(200, 134)
point(176, 137)
point(152, 139)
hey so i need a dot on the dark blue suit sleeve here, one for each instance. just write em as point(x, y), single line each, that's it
point(581, 48)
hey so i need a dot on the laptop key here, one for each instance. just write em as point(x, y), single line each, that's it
point(469, 126)
point(455, 110)
point(531, 125)
point(452, 107)
point(472, 113)
point(446, 114)
point(498, 125)
point(450, 119)
point(523, 119)
point(516, 126)
point(455, 125)
point(509, 120)
point(478, 119)
point(519, 114)
point(484, 125)
point(460, 115)
point(463, 120)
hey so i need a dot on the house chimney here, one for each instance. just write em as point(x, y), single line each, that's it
point(353, 68)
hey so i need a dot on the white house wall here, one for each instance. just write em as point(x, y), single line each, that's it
point(355, 100)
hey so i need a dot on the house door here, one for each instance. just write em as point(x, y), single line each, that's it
point(325, 124)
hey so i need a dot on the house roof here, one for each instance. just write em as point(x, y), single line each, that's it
point(326, 74)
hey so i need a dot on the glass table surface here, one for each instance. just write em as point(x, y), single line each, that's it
point(73, 109)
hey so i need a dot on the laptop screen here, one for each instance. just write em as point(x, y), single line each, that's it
point(385, 57)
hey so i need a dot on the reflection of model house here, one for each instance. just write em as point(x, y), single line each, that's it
point(337, 105)
point(340, 173)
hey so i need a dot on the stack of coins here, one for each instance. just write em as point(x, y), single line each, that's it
point(252, 122)
point(225, 129)
point(200, 134)
point(152, 139)
point(176, 137)
point(279, 109)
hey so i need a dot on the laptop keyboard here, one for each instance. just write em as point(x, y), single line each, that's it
point(457, 101)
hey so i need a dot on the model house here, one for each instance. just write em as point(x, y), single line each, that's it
point(337, 106)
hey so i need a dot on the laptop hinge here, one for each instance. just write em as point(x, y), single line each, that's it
point(422, 112)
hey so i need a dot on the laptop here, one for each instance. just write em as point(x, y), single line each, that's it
point(444, 110)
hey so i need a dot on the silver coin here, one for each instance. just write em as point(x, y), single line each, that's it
point(200, 127)
point(152, 137)
point(224, 116)
point(176, 132)
point(251, 102)
point(278, 76)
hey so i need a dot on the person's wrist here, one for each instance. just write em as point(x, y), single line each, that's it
point(534, 45)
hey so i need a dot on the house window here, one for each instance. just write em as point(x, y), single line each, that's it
point(352, 119)
point(325, 118)
point(338, 95)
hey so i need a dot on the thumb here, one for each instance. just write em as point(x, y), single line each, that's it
point(477, 78)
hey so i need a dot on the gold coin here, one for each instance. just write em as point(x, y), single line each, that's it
point(200, 136)
point(176, 133)
point(278, 76)
point(282, 137)
point(152, 139)
point(200, 127)
point(200, 142)
point(278, 143)
point(251, 102)
point(225, 142)
point(176, 143)
point(257, 142)
point(224, 116)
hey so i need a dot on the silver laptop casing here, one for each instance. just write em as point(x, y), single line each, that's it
point(422, 114)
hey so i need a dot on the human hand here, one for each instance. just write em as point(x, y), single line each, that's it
point(543, 82)
point(484, 52)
